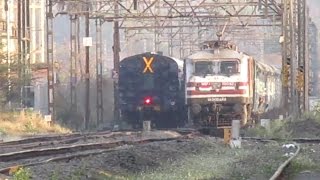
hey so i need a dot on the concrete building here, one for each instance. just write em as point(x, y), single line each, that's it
point(314, 55)
point(12, 10)
point(26, 30)
point(39, 92)
point(37, 31)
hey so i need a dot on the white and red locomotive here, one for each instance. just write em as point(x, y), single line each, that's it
point(223, 84)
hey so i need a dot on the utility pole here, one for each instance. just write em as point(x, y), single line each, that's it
point(79, 47)
point(87, 73)
point(27, 55)
point(50, 73)
point(23, 54)
point(301, 54)
point(20, 55)
point(286, 57)
point(303, 59)
point(307, 60)
point(73, 61)
point(295, 73)
point(116, 61)
point(8, 50)
point(170, 42)
point(293, 68)
point(99, 72)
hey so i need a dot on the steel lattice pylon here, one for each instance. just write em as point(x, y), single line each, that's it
point(295, 57)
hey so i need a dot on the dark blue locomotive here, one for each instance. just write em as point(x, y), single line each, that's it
point(150, 89)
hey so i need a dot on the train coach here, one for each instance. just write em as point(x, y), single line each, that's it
point(223, 84)
point(151, 89)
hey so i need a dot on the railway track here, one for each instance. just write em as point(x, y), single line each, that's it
point(39, 139)
point(280, 173)
point(14, 160)
point(282, 168)
point(297, 140)
point(61, 141)
point(51, 141)
point(46, 138)
point(31, 155)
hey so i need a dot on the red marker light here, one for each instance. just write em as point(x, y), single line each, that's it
point(147, 100)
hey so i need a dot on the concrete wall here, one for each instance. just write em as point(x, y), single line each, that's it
point(62, 102)
point(41, 98)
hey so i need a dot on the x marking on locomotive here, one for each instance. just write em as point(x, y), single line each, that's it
point(148, 64)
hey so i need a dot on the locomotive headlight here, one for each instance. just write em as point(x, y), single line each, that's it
point(216, 85)
point(237, 108)
point(237, 85)
point(147, 100)
point(196, 108)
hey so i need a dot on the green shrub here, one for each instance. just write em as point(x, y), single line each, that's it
point(22, 174)
point(277, 130)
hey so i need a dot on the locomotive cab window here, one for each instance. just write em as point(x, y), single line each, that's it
point(229, 67)
point(203, 67)
point(216, 67)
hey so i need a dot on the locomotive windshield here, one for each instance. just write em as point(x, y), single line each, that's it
point(203, 67)
point(216, 67)
point(229, 67)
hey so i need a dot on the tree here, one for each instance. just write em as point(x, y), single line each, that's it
point(16, 80)
point(5, 95)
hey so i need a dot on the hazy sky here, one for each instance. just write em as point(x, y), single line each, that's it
point(314, 7)
point(62, 34)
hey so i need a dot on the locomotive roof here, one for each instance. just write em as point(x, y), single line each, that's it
point(229, 54)
point(178, 61)
point(217, 53)
point(147, 54)
point(267, 67)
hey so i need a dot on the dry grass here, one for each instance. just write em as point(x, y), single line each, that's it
point(22, 123)
point(278, 130)
point(217, 162)
point(223, 163)
point(307, 126)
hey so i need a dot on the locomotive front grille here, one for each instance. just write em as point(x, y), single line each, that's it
point(226, 115)
point(155, 108)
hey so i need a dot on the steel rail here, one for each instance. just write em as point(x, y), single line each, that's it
point(97, 148)
point(62, 141)
point(297, 140)
point(39, 139)
point(284, 165)
point(9, 170)
point(51, 138)
point(26, 154)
